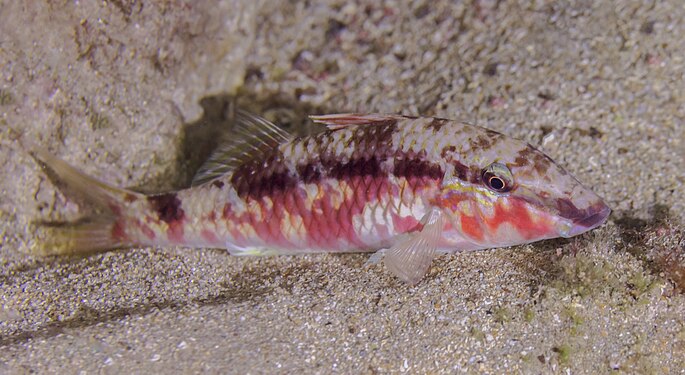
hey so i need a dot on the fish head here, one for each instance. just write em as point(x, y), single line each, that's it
point(511, 193)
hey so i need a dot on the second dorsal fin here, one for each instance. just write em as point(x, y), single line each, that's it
point(342, 120)
point(250, 137)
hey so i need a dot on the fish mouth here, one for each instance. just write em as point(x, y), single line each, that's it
point(592, 217)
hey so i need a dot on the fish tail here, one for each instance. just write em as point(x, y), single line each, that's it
point(92, 234)
point(80, 238)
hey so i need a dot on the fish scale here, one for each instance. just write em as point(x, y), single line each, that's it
point(408, 187)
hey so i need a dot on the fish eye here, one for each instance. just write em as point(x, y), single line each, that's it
point(496, 183)
point(498, 178)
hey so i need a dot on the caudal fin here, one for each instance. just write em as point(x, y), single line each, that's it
point(90, 234)
point(79, 238)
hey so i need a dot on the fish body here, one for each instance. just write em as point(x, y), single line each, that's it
point(409, 187)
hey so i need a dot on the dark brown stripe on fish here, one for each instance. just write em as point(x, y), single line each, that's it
point(167, 206)
point(309, 173)
point(255, 182)
point(371, 145)
point(355, 168)
point(417, 168)
point(267, 182)
point(259, 178)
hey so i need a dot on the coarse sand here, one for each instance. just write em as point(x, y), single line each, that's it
point(132, 92)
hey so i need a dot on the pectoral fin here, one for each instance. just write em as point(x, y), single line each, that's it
point(410, 258)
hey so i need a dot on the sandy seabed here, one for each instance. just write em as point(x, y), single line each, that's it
point(131, 92)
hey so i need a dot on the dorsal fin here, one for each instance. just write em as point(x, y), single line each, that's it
point(342, 120)
point(250, 137)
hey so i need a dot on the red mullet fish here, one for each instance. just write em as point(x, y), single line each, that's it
point(410, 188)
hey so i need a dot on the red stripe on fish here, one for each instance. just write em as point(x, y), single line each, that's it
point(519, 216)
point(472, 228)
